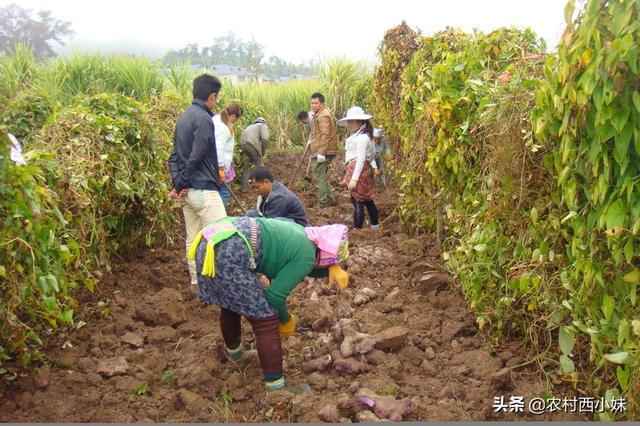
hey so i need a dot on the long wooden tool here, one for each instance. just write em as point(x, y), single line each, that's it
point(235, 198)
point(306, 176)
point(293, 178)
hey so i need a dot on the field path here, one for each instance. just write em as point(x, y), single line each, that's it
point(158, 334)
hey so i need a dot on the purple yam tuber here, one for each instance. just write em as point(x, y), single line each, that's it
point(367, 416)
point(318, 364)
point(387, 407)
point(320, 323)
point(348, 406)
point(367, 292)
point(346, 347)
point(356, 343)
point(360, 299)
point(367, 400)
point(350, 366)
point(330, 414)
point(325, 343)
point(363, 343)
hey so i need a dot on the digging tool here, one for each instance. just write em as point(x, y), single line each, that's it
point(306, 176)
point(235, 198)
point(293, 178)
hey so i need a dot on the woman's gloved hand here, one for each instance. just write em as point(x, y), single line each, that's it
point(338, 278)
point(352, 185)
point(288, 328)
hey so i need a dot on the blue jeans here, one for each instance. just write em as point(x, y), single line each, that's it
point(224, 194)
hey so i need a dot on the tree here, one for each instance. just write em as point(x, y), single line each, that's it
point(232, 50)
point(18, 26)
point(253, 54)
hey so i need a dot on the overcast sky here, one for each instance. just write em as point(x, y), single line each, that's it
point(295, 30)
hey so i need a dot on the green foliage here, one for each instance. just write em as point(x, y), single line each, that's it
point(111, 177)
point(588, 115)
point(180, 76)
point(532, 160)
point(34, 281)
point(25, 114)
point(79, 74)
point(17, 70)
point(135, 77)
point(142, 389)
point(90, 74)
point(339, 78)
point(96, 184)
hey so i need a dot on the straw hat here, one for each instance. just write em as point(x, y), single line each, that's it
point(354, 113)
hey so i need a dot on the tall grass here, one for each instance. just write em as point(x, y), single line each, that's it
point(62, 80)
point(278, 104)
point(179, 76)
point(135, 77)
point(17, 70)
point(340, 80)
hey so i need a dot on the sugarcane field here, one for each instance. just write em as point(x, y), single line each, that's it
point(411, 212)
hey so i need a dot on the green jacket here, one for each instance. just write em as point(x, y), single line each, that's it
point(288, 256)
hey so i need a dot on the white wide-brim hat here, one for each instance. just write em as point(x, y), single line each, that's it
point(354, 113)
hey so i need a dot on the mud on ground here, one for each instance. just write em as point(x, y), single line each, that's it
point(154, 332)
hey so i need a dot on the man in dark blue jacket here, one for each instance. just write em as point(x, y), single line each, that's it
point(194, 162)
point(274, 199)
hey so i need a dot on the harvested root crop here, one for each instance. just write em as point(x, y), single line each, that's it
point(318, 364)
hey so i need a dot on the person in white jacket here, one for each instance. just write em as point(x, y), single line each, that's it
point(360, 159)
point(225, 143)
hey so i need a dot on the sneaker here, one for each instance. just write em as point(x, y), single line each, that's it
point(280, 386)
point(241, 357)
point(297, 389)
point(375, 226)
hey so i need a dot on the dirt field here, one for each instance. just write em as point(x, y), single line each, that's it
point(157, 333)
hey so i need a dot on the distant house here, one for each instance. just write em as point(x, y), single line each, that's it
point(285, 78)
point(231, 72)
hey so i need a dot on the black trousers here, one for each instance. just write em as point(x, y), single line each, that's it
point(358, 212)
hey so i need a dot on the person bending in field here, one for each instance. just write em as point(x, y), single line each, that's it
point(230, 252)
point(306, 118)
point(194, 162)
point(253, 142)
point(275, 200)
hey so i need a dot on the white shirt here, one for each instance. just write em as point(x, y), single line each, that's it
point(224, 143)
point(16, 151)
point(360, 149)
